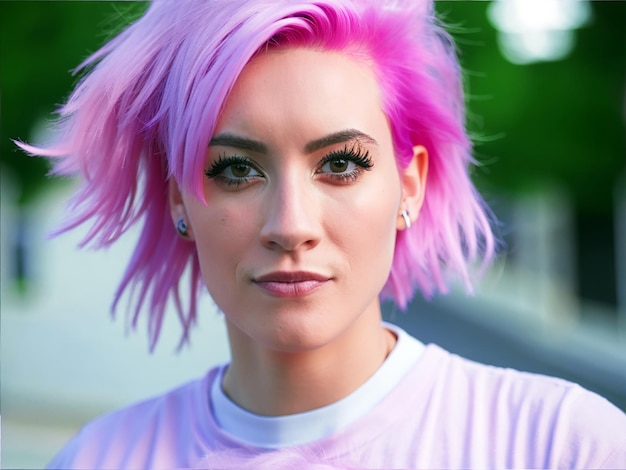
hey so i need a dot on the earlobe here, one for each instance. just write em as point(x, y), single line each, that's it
point(178, 211)
point(413, 179)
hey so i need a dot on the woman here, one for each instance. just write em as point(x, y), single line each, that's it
point(305, 159)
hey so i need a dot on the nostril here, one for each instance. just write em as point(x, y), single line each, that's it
point(290, 236)
point(289, 242)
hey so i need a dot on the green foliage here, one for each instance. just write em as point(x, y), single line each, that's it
point(40, 43)
point(559, 122)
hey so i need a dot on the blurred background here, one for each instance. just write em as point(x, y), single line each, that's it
point(545, 85)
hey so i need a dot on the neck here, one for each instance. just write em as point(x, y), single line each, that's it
point(271, 382)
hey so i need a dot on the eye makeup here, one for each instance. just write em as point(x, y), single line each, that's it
point(338, 166)
point(346, 165)
point(233, 170)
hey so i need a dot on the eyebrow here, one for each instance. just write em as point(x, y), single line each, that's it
point(339, 138)
point(243, 143)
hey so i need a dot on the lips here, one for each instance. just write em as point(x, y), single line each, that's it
point(291, 283)
point(291, 276)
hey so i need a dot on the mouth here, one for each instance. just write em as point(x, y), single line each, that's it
point(291, 283)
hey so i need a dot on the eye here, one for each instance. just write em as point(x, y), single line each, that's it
point(239, 170)
point(233, 170)
point(346, 165)
point(337, 165)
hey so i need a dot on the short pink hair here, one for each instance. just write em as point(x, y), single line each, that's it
point(146, 110)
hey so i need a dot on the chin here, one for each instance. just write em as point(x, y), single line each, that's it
point(300, 332)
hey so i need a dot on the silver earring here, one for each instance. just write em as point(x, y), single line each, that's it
point(181, 227)
point(407, 219)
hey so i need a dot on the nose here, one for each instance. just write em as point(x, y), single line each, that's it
point(291, 216)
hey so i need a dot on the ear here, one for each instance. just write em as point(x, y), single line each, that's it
point(177, 208)
point(413, 180)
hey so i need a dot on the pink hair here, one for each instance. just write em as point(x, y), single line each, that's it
point(146, 110)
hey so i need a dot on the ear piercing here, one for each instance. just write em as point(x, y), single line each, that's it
point(181, 227)
point(407, 219)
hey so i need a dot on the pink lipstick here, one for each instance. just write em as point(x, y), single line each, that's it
point(290, 283)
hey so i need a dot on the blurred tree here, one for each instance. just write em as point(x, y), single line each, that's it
point(553, 124)
point(552, 121)
point(40, 43)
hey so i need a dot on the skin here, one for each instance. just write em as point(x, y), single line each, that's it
point(300, 346)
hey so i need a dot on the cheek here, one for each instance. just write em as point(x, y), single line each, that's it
point(221, 223)
point(369, 242)
point(381, 235)
point(221, 234)
point(369, 226)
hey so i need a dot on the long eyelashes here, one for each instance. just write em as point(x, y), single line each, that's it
point(223, 162)
point(233, 170)
point(340, 166)
point(346, 165)
point(353, 154)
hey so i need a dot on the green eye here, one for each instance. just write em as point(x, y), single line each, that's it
point(233, 170)
point(338, 165)
point(346, 165)
point(239, 170)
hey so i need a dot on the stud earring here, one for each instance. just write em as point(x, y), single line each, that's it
point(181, 227)
point(407, 219)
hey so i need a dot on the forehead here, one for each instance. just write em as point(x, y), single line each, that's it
point(304, 91)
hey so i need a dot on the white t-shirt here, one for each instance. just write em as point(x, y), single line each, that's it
point(424, 408)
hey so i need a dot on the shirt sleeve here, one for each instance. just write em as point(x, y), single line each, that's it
point(66, 456)
point(592, 433)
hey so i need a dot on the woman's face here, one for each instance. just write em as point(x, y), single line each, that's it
point(304, 200)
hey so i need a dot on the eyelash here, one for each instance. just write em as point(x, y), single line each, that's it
point(361, 159)
point(354, 154)
point(216, 171)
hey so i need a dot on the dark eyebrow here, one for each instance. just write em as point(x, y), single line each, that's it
point(242, 143)
point(339, 138)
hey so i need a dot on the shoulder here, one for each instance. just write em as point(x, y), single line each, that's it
point(513, 386)
point(542, 421)
point(160, 431)
point(594, 429)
